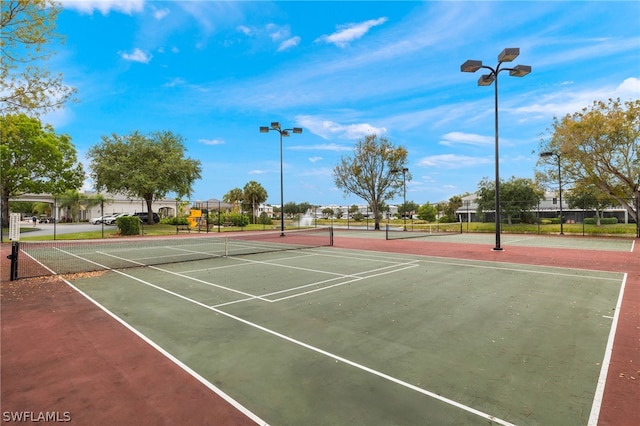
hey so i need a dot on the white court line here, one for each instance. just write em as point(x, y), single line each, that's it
point(517, 240)
point(342, 283)
point(529, 271)
point(262, 297)
point(597, 398)
point(251, 296)
point(327, 354)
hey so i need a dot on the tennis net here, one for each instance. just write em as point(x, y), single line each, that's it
point(423, 230)
point(40, 258)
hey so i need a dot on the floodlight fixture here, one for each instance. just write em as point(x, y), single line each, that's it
point(509, 54)
point(471, 66)
point(275, 126)
point(404, 171)
point(520, 71)
point(486, 80)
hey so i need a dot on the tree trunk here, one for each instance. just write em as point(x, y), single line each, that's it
point(149, 200)
point(5, 210)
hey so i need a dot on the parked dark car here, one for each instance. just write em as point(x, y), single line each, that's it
point(144, 217)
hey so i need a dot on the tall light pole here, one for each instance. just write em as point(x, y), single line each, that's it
point(638, 210)
point(404, 171)
point(555, 154)
point(507, 55)
point(275, 126)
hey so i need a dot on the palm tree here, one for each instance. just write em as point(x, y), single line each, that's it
point(256, 194)
point(233, 197)
point(74, 202)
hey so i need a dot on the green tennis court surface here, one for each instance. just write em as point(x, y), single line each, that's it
point(334, 337)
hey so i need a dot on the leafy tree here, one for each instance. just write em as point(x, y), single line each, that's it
point(146, 167)
point(327, 212)
point(291, 209)
point(588, 197)
point(427, 212)
point(454, 204)
point(255, 194)
point(517, 195)
point(368, 173)
point(24, 207)
point(599, 146)
point(304, 207)
point(26, 28)
point(408, 208)
point(34, 159)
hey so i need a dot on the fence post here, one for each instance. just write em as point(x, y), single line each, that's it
point(13, 272)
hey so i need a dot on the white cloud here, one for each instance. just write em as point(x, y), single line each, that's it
point(257, 172)
point(277, 33)
point(327, 128)
point(349, 32)
point(457, 138)
point(160, 13)
point(315, 159)
point(452, 161)
point(289, 43)
point(211, 141)
point(321, 147)
point(245, 30)
point(104, 6)
point(136, 56)
point(560, 103)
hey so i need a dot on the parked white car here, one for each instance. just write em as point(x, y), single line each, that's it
point(96, 220)
point(111, 220)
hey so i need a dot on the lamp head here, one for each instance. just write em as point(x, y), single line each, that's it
point(547, 154)
point(520, 70)
point(471, 66)
point(509, 54)
point(275, 125)
point(297, 130)
point(486, 79)
point(264, 129)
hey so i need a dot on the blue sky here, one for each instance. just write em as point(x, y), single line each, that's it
point(214, 72)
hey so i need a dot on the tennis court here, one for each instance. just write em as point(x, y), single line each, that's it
point(332, 336)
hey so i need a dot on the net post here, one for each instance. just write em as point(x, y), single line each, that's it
point(386, 232)
point(331, 236)
point(15, 249)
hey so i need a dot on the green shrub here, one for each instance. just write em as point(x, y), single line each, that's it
point(128, 225)
point(236, 219)
point(603, 221)
point(265, 219)
point(448, 218)
point(175, 221)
